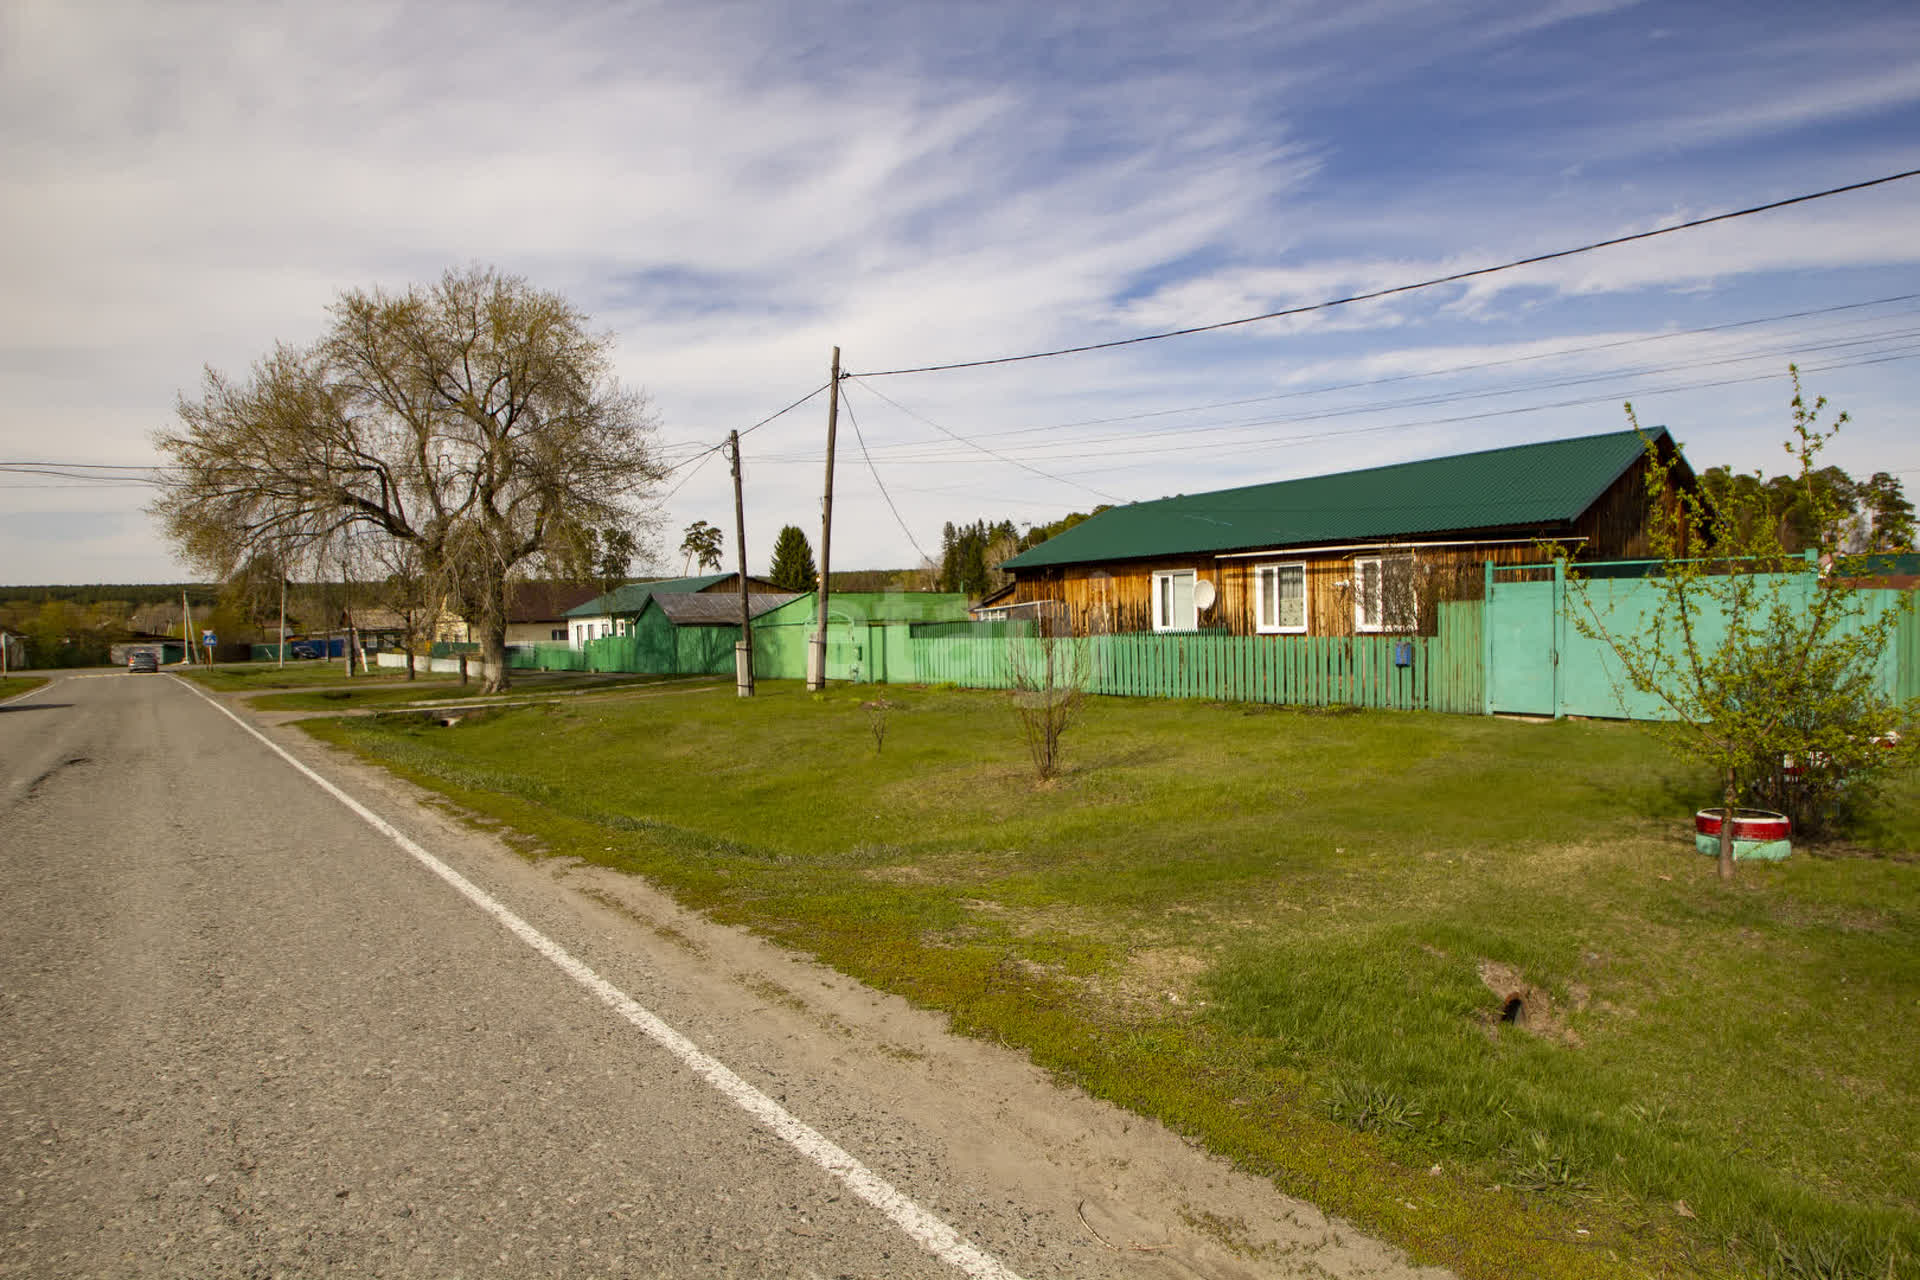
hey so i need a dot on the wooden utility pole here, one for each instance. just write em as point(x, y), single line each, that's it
point(817, 648)
point(282, 646)
point(743, 651)
point(186, 625)
point(346, 612)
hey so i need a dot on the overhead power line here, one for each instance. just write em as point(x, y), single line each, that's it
point(1338, 433)
point(854, 422)
point(971, 444)
point(1188, 449)
point(933, 450)
point(789, 409)
point(1369, 296)
point(1454, 370)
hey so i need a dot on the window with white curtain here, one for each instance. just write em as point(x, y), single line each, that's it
point(1280, 599)
point(1173, 601)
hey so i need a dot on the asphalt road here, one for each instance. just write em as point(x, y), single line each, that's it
point(246, 1033)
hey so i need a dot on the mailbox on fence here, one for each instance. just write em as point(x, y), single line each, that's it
point(1403, 654)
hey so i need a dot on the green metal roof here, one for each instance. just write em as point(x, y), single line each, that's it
point(633, 597)
point(870, 606)
point(1529, 484)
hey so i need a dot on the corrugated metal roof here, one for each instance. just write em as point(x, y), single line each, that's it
point(875, 606)
point(1530, 484)
point(543, 601)
point(633, 597)
point(724, 608)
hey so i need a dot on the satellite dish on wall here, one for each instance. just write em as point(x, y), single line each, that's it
point(1203, 594)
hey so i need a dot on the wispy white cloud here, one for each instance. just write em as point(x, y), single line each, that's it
point(736, 189)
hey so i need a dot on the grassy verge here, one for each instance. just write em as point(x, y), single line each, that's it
point(1293, 936)
point(427, 693)
point(14, 686)
point(323, 686)
point(247, 677)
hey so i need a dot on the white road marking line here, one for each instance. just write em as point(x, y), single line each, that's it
point(939, 1239)
point(42, 688)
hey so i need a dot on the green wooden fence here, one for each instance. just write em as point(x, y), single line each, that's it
point(1437, 673)
point(1412, 673)
point(1907, 648)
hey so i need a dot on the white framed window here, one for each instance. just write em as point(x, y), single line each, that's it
point(1280, 599)
point(1384, 598)
point(1173, 608)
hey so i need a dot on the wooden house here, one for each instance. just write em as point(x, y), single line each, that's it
point(616, 612)
point(536, 614)
point(1371, 551)
point(693, 632)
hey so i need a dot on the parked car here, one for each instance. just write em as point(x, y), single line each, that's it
point(142, 660)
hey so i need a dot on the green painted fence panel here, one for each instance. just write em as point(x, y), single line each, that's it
point(1520, 632)
point(545, 657)
point(1907, 646)
point(1283, 670)
point(1537, 661)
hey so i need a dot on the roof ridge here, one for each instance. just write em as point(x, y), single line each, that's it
point(1515, 484)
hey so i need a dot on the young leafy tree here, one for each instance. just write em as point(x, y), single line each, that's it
point(702, 545)
point(793, 568)
point(1757, 655)
point(477, 419)
point(602, 558)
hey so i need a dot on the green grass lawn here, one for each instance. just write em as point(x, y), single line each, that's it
point(1291, 935)
point(247, 677)
point(388, 694)
point(14, 686)
point(325, 686)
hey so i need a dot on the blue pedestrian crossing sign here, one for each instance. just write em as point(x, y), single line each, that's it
point(207, 639)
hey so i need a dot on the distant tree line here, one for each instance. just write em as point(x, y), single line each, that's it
point(971, 554)
point(200, 594)
point(1862, 515)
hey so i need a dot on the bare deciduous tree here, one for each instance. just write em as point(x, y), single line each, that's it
point(407, 590)
point(1050, 672)
point(476, 419)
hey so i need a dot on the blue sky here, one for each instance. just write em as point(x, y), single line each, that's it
point(732, 189)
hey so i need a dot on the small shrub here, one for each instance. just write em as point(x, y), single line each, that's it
point(1541, 1167)
point(1050, 677)
point(877, 720)
point(1369, 1108)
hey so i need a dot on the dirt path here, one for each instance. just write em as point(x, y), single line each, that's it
point(1119, 1194)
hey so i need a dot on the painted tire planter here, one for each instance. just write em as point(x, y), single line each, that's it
point(1757, 833)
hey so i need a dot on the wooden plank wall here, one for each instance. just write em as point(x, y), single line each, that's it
point(1118, 598)
point(1615, 526)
